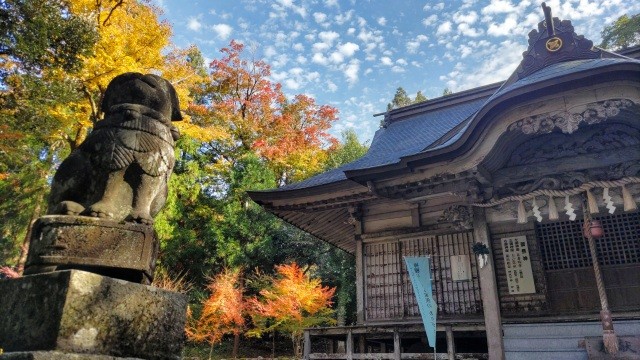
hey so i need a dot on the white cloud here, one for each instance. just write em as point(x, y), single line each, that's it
point(331, 86)
point(301, 60)
point(331, 3)
point(505, 28)
point(397, 69)
point(499, 7)
point(280, 8)
point(430, 20)
point(351, 71)
point(336, 58)
point(469, 18)
point(385, 60)
point(402, 62)
point(464, 51)
point(348, 49)
point(320, 47)
point(292, 84)
point(298, 47)
point(223, 31)
point(319, 17)
point(413, 45)
point(280, 61)
point(344, 17)
point(320, 59)
point(444, 28)
point(278, 76)
point(312, 76)
point(194, 24)
point(328, 36)
point(466, 30)
point(269, 52)
point(500, 60)
point(382, 21)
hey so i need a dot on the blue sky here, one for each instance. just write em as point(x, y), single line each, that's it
point(354, 54)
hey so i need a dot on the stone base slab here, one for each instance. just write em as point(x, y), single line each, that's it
point(79, 312)
point(125, 251)
point(56, 355)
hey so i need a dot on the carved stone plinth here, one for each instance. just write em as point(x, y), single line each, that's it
point(76, 312)
point(125, 251)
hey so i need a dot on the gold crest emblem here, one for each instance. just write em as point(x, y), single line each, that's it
point(554, 44)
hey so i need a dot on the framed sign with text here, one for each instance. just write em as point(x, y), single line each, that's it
point(517, 263)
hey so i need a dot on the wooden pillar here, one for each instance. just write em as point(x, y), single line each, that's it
point(359, 281)
point(349, 349)
point(397, 350)
point(361, 344)
point(451, 345)
point(489, 289)
point(307, 345)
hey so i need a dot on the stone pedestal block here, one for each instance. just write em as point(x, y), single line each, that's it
point(77, 312)
point(121, 250)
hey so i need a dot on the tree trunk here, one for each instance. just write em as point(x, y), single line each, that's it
point(211, 350)
point(236, 345)
point(273, 345)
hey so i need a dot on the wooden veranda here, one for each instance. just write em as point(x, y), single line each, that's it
point(390, 341)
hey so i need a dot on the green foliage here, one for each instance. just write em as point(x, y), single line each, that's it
point(419, 97)
point(623, 33)
point(39, 34)
point(400, 99)
point(446, 92)
point(350, 149)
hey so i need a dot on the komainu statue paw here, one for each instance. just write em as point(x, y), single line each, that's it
point(140, 217)
point(68, 208)
point(99, 210)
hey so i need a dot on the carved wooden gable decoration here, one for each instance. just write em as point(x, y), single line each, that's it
point(553, 44)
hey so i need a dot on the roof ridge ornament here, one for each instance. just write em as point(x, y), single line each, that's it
point(555, 41)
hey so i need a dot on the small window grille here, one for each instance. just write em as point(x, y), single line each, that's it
point(563, 246)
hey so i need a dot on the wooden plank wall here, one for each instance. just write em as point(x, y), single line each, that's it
point(388, 291)
point(386, 216)
point(518, 305)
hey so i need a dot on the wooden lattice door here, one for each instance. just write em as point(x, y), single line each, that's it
point(388, 291)
point(571, 282)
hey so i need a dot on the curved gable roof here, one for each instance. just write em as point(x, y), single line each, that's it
point(433, 130)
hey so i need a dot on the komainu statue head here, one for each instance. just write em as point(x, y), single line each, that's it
point(120, 172)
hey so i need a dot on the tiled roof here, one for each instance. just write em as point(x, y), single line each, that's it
point(402, 138)
point(419, 133)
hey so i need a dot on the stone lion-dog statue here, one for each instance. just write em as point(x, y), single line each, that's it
point(121, 171)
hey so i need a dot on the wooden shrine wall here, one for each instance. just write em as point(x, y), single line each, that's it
point(562, 269)
point(388, 291)
point(521, 303)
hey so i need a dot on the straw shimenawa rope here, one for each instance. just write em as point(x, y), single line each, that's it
point(561, 193)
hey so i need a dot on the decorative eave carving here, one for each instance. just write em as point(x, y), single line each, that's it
point(459, 216)
point(553, 44)
point(568, 121)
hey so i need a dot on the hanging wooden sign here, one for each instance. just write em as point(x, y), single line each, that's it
point(517, 263)
point(460, 268)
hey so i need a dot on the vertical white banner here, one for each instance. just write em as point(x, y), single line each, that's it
point(420, 275)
